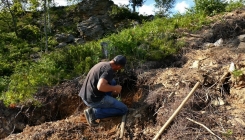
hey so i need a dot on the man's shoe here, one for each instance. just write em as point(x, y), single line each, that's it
point(88, 115)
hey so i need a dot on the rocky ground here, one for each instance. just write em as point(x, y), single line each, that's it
point(214, 111)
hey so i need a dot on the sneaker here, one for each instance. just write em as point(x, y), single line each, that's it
point(88, 115)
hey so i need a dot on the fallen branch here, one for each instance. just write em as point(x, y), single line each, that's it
point(19, 111)
point(204, 127)
point(12, 130)
point(176, 111)
point(222, 79)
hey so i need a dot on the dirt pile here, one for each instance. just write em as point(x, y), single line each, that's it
point(218, 103)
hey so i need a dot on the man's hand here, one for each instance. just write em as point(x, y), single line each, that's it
point(118, 89)
point(105, 87)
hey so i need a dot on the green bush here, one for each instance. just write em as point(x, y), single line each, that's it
point(234, 5)
point(52, 41)
point(237, 73)
point(191, 21)
point(6, 68)
point(155, 55)
point(4, 81)
point(73, 59)
point(29, 32)
point(122, 12)
point(27, 79)
point(210, 7)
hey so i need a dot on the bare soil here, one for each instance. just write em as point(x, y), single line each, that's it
point(153, 93)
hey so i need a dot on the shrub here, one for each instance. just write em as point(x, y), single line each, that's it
point(234, 5)
point(122, 12)
point(27, 79)
point(210, 7)
point(6, 69)
point(29, 32)
point(4, 81)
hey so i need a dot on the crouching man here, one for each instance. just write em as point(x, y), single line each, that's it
point(97, 89)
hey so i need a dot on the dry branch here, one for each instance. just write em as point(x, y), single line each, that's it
point(222, 79)
point(122, 126)
point(176, 111)
point(204, 127)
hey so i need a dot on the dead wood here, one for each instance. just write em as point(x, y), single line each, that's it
point(204, 127)
point(176, 111)
point(222, 79)
point(122, 128)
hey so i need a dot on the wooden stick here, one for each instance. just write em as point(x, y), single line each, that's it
point(222, 79)
point(176, 111)
point(204, 127)
point(122, 126)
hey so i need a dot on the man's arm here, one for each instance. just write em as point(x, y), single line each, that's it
point(105, 87)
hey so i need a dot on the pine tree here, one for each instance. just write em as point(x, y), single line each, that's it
point(137, 3)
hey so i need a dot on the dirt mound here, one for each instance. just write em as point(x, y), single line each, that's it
point(154, 94)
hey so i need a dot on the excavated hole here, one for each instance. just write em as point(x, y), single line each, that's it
point(61, 101)
point(198, 106)
point(199, 102)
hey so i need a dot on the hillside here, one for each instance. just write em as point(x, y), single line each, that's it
point(154, 92)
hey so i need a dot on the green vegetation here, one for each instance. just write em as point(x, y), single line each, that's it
point(228, 133)
point(210, 7)
point(122, 12)
point(21, 77)
point(237, 73)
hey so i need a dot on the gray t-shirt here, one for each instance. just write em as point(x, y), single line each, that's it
point(89, 91)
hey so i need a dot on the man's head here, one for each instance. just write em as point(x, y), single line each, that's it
point(119, 61)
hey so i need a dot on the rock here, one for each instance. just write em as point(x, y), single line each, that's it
point(91, 29)
point(219, 43)
point(218, 102)
point(208, 45)
point(79, 41)
point(67, 38)
point(241, 45)
point(196, 64)
point(61, 45)
point(232, 67)
point(242, 38)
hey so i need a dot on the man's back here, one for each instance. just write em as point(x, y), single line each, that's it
point(89, 91)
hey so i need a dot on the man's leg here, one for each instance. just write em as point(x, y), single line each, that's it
point(89, 115)
point(109, 107)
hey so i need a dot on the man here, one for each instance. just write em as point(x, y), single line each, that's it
point(97, 89)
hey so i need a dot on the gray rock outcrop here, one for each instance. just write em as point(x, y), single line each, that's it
point(91, 29)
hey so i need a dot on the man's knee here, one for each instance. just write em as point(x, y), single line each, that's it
point(125, 109)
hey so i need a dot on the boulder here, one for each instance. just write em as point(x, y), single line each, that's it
point(91, 29)
point(67, 38)
point(242, 38)
point(79, 41)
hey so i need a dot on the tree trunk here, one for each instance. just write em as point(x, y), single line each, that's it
point(134, 5)
point(45, 26)
point(13, 18)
